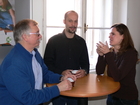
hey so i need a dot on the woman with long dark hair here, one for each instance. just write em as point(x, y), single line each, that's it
point(121, 61)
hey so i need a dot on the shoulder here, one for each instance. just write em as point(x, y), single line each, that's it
point(80, 41)
point(131, 51)
point(56, 37)
point(130, 54)
point(79, 38)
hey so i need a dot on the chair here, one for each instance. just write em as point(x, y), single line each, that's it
point(138, 61)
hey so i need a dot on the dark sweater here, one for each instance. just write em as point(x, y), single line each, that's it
point(63, 53)
point(122, 69)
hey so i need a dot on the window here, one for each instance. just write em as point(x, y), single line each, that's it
point(95, 19)
point(55, 10)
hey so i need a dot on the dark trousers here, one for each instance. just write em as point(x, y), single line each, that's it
point(62, 100)
point(117, 101)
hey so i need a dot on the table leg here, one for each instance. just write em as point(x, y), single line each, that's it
point(83, 101)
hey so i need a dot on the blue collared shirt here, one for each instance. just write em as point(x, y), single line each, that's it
point(37, 72)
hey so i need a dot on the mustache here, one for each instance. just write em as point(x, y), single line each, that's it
point(72, 27)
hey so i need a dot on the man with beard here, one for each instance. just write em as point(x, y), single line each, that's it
point(66, 52)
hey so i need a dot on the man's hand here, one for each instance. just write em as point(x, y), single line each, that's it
point(64, 85)
point(66, 72)
point(80, 73)
point(66, 76)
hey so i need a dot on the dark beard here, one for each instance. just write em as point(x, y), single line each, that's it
point(71, 31)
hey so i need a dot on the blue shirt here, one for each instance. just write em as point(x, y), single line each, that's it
point(37, 72)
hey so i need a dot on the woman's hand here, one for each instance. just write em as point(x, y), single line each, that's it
point(102, 48)
point(99, 52)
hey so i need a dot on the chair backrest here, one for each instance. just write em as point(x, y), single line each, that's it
point(4, 50)
point(138, 61)
point(105, 72)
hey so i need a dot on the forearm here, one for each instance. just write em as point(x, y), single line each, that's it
point(49, 76)
point(100, 66)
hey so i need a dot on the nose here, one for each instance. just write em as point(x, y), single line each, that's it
point(73, 24)
point(40, 36)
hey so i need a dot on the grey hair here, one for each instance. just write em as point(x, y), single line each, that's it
point(22, 27)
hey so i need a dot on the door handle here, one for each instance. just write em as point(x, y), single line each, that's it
point(85, 28)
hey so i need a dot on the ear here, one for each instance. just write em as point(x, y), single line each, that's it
point(25, 37)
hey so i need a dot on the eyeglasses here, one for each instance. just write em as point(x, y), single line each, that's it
point(38, 34)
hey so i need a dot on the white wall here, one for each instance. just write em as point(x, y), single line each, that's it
point(38, 15)
point(133, 23)
point(119, 11)
point(31, 9)
point(22, 9)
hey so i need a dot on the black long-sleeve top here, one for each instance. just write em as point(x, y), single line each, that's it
point(122, 69)
point(63, 53)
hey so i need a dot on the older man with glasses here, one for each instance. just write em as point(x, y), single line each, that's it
point(23, 72)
